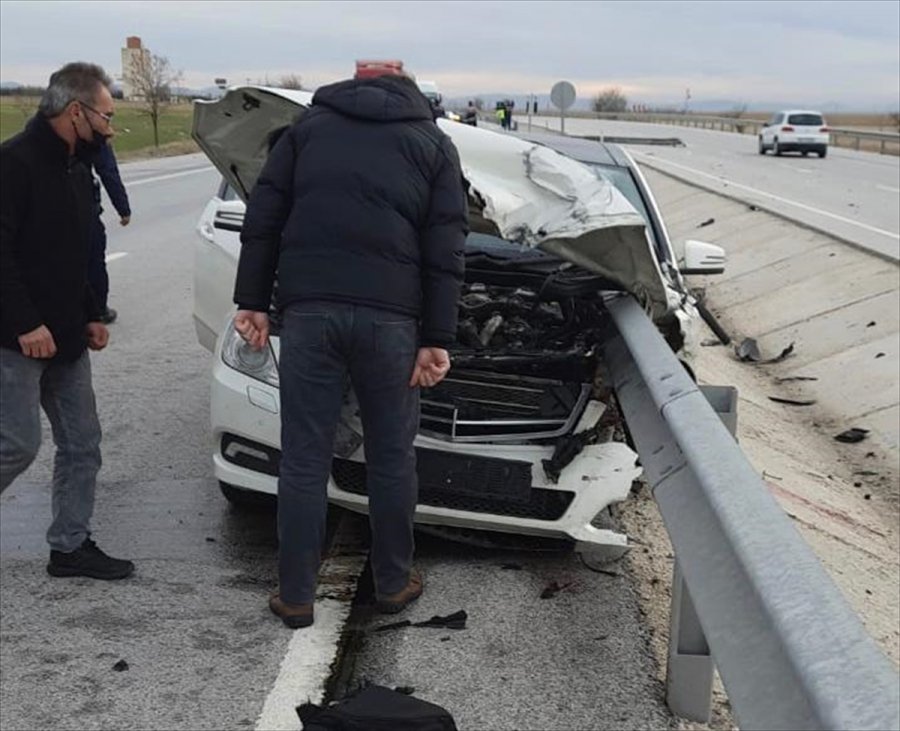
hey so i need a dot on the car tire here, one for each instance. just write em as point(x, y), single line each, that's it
point(776, 148)
point(824, 152)
point(804, 153)
point(248, 500)
point(762, 147)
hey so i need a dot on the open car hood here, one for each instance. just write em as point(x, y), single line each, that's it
point(521, 191)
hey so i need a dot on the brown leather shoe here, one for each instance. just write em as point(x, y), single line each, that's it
point(393, 603)
point(294, 616)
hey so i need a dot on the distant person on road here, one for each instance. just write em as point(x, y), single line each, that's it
point(360, 208)
point(500, 113)
point(105, 166)
point(471, 115)
point(49, 316)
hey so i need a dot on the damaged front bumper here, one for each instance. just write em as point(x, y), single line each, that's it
point(496, 487)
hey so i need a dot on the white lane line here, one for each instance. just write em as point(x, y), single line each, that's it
point(117, 255)
point(888, 188)
point(313, 650)
point(720, 179)
point(170, 176)
point(305, 667)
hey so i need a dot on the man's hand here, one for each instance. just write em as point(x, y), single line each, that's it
point(97, 335)
point(38, 343)
point(432, 364)
point(253, 327)
point(124, 220)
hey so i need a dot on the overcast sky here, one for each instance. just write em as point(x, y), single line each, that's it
point(804, 53)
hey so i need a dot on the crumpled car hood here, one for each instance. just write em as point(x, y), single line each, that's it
point(518, 190)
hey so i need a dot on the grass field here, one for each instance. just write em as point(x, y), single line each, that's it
point(134, 131)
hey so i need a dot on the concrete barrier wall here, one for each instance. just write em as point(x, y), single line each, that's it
point(784, 283)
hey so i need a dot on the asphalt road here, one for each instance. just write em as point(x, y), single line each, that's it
point(851, 195)
point(202, 649)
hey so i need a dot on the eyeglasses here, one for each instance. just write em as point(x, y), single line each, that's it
point(107, 117)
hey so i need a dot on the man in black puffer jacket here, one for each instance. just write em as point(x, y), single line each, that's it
point(361, 210)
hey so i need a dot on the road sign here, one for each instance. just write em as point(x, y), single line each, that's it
point(562, 95)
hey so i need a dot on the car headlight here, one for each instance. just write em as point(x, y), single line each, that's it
point(258, 364)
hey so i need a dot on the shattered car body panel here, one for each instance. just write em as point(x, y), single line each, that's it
point(535, 196)
point(522, 436)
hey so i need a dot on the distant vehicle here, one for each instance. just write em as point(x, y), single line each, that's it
point(431, 91)
point(433, 95)
point(795, 130)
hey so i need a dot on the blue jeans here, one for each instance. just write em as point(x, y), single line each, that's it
point(321, 344)
point(65, 392)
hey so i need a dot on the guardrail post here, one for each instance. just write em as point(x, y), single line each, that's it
point(689, 675)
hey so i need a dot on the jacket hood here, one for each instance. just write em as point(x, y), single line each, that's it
point(382, 99)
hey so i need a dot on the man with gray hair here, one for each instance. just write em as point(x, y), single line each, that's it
point(49, 316)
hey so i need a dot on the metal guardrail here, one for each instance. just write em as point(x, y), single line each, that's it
point(754, 598)
point(741, 125)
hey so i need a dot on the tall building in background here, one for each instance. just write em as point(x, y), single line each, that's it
point(133, 56)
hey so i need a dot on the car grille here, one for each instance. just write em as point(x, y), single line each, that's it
point(475, 406)
point(455, 481)
point(472, 484)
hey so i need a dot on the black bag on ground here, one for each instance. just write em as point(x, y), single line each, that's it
point(377, 709)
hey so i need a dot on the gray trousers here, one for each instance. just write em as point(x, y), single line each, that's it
point(321, 343)
point(65, 392)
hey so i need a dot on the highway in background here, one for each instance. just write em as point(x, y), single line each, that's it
point(848, 194)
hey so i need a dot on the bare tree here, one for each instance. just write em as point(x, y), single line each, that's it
point(152, 79)
point(610, 100)
point(736, 112)
point(291, 81)
point(479, 103)
point(27, 105)
point(895, 119)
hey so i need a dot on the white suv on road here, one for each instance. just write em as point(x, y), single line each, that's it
point(794, 130)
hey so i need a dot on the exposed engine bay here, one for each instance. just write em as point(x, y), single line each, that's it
point(525, 364)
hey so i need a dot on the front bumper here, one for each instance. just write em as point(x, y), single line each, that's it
point(497, 487)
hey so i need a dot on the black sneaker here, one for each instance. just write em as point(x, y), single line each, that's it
point(88, 560)
point(109, 316)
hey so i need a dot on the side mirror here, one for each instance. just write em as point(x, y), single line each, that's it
point(702, 258)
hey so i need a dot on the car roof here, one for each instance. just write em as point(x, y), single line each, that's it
point(799, 111)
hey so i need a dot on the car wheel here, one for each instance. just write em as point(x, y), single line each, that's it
point(762, 147)
point(804, 153)
point(776, 148)
point(248, 500)
point(823, 152)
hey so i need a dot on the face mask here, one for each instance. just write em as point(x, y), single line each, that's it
point(89, 149)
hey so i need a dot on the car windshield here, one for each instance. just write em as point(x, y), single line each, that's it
point(806, 120)
point(624, 182)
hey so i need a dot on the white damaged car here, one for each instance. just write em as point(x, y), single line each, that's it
point(519, 438)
